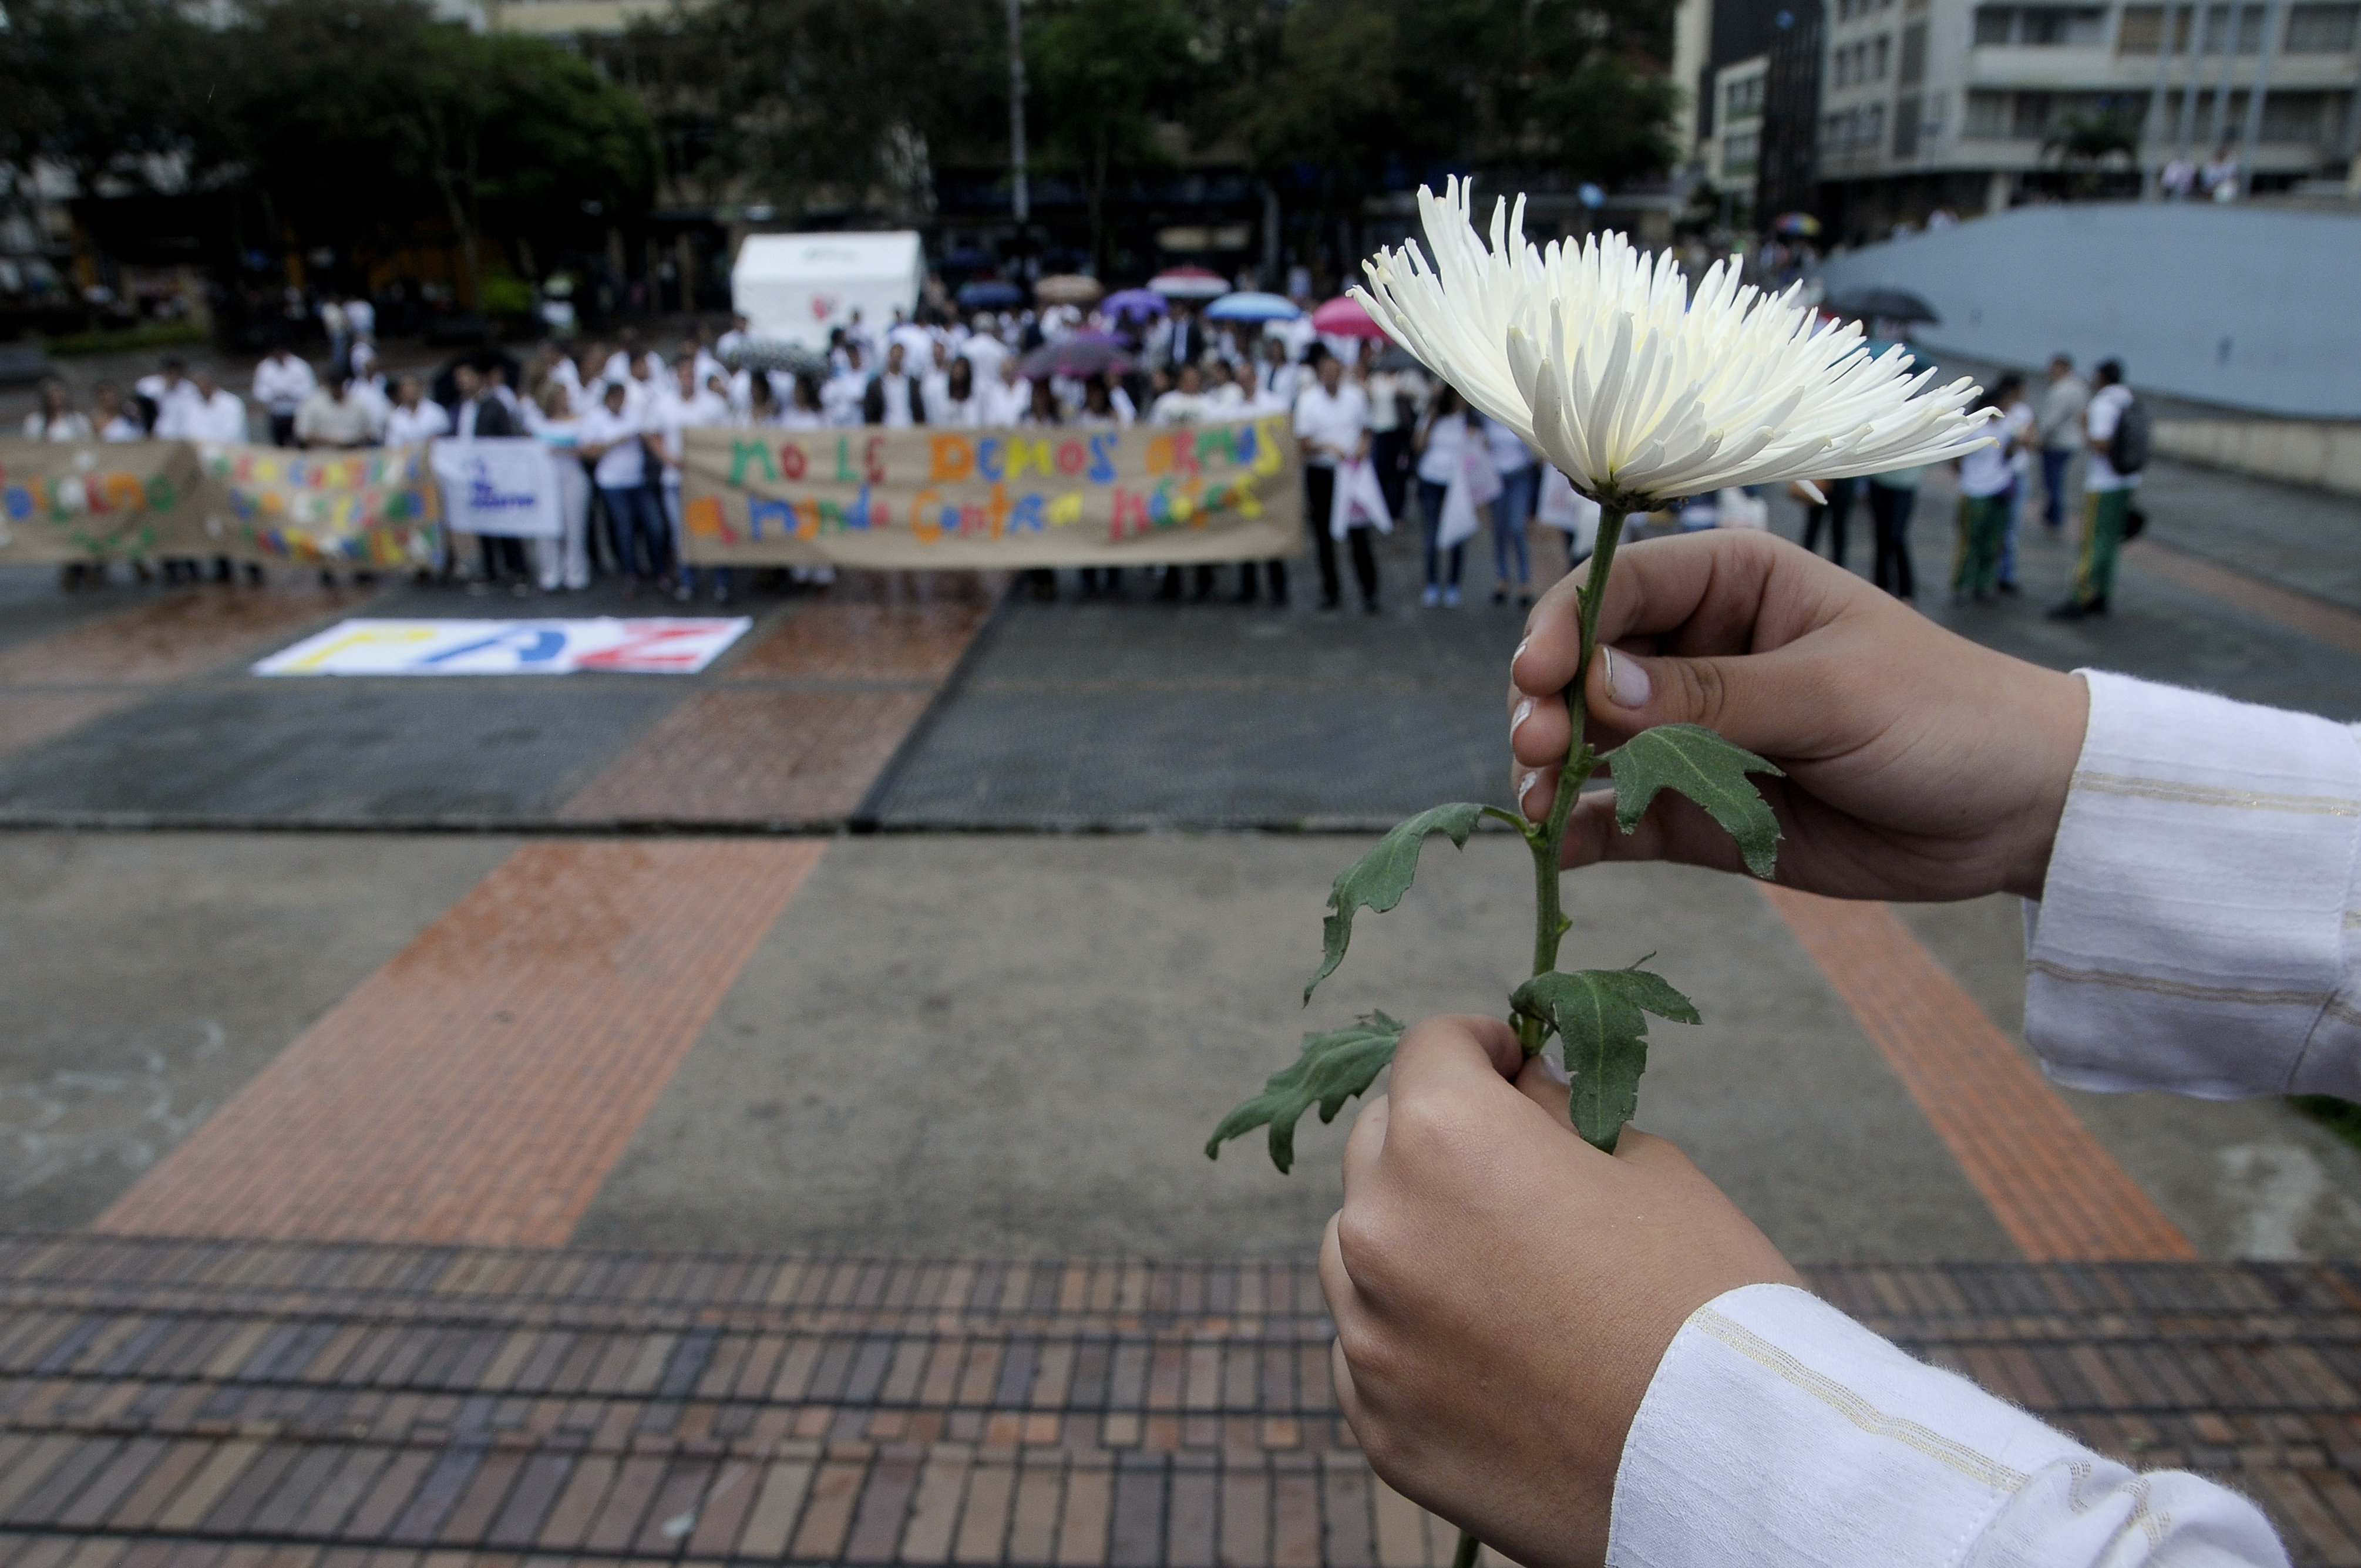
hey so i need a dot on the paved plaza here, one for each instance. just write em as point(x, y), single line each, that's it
point(758, 1114)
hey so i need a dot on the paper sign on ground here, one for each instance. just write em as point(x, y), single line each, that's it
point(656, 646)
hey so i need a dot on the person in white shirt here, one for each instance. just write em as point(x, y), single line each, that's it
point(729, 343)
point(934, 384)
point(282, 382)
point(2017, 420)
point(1331, 426)
point(917, 343)
point(1007, 395)
point(112, 417)
point(985, 350)
point(1986, 477)
point(1186, 402)
point(614, 440)
point(169, 385)
point(332, 417)
point(842, 397)
point(1280, 379)
point(618, 366)
point(210, 413)
point(1512, 510)
point(1664, 1392)
point(892, 398)
point(1441, 443)
point(414, 418)
point(685, 405)
point(57, 419)
point(2061, 427)
point(803, 409)
point(564, 562)
point(360, 318)
point(958, 404)
point(2106, 496)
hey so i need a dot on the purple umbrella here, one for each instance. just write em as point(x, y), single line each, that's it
point(1142, 302)
point(1078, 354)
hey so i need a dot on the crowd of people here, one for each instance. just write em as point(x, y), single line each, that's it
point(2099, 418)
point(1374, 431)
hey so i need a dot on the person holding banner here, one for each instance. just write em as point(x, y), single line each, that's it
point(413, 419)
point(614, 438)
point(57, 419)
point(282, 382)
point(685, 405)
point(565, 561)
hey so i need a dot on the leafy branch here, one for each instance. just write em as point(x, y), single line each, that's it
point(1598, 1017)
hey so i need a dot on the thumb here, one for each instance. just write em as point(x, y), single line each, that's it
point(1749, 700)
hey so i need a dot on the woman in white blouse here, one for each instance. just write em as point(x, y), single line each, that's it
point(1441, 445)
point(564, 562)
point(57, 419)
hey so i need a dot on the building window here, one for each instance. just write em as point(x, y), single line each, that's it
point(1743, 99)
point(1914, 54)
point(2143, 25)
point(2320, 29)
point(1872, 126)
point(2054, 27)
point(1738, 155)
point(2293, 118)
point(1906, 126)
point(1987, 116)
point(1883, 49)
point(2030, 122)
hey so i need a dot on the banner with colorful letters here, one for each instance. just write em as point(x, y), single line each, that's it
point(377, 509)
point(1057, 496)
point(83, 500)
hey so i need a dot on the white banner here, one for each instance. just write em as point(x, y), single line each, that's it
point(657, 646)
point(504, 484)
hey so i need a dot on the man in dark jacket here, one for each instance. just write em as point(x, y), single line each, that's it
point(893, 399)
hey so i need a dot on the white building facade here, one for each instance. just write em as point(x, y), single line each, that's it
point(1929, 105)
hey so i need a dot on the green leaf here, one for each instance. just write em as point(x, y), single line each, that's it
point(1379, 878)
point(1698, 763)
point(1598, 1015)
point(1333, 1068)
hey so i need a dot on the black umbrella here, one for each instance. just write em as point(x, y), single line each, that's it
point(777, 354)
point(1885, 304)
point(1398, 358)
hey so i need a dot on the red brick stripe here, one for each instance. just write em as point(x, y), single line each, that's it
point(480, 1086)
point(2054, 1188)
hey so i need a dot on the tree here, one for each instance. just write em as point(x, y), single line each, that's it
point(1102, 75)
point(2084, 144)
point(816, 103)
point(361, 119)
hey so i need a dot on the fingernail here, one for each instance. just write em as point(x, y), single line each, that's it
point(1525, 785)
point(1626, 683)
point(1520, 650)
point(1555, 1069)
point(1517, 720)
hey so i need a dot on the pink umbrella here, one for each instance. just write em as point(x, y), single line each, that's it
point(1344, 317)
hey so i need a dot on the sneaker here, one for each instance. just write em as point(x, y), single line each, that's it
point(1499, 596)
point(683, 594)
point(2072, 610)
point(1432, 596)
point(1370, 606)
point(1450, 598)
point(721, 596)
point(2009, 589)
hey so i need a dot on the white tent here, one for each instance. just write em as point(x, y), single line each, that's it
point(794, 287)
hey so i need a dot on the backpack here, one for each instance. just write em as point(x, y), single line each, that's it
point(2127, 449)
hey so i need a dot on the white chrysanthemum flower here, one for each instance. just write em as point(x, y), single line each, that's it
point(1602, 361)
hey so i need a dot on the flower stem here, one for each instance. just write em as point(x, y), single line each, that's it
point(1465, 1556)
point(1546, 839)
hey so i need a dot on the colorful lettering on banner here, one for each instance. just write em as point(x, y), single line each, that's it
point(655, 646)
point(1072, 496)
point(97, 500)
point(380, 508)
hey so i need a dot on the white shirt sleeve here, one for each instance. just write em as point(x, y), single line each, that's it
point(2200, 927)
point(1777, 1431)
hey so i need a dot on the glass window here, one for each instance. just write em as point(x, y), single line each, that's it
point(1914, 54)
point(2031, 120)
point(2293, 117)
point(1906, 126)
point(1987, 116)
point(1993, 24)
point(2320, 29)
point(1885, 47)
point(2059, 27)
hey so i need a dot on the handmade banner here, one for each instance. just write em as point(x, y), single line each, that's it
point(1080, 496)
point(83, 500)
point(505, 485)
point(663, 645)
point(373, 510)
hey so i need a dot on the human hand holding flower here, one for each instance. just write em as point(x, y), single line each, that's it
point(1503, 1291)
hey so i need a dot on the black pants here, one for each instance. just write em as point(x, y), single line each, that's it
point(1835, 514)
point(1388, 452)
point(282, 430)
point(1278, 581)
point(1319, 498)
point(1892, 508)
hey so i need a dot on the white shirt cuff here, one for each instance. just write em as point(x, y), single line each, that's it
point(2199, 925)
point(1779, 1432)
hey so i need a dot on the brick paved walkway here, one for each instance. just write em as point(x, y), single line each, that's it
point(216, 1403)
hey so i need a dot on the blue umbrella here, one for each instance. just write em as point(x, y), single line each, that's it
point(1252, 307)
point(990, 294)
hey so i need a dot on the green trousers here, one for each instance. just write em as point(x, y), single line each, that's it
point(1983, 520)
point(2103, 541)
